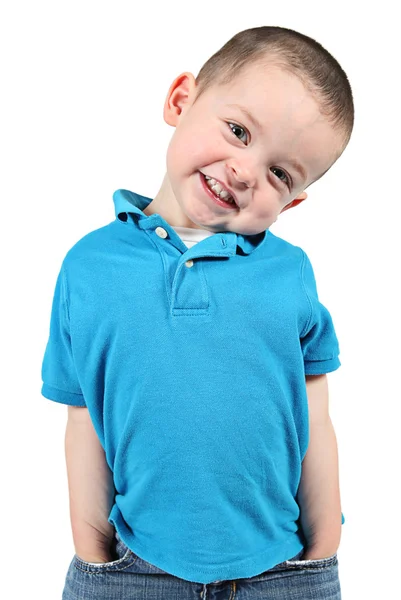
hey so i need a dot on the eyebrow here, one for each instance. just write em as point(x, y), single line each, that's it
point(293, 162)
point(248, 114)
point(298, 167)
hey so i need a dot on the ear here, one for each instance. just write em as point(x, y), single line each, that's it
point(179, 97)
point(303, 196)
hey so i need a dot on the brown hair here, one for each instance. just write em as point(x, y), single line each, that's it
point(298, 54)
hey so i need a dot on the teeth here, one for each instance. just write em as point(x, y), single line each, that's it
point(219, 190)
point(216, 187)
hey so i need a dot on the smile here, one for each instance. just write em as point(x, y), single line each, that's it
point(217, 192)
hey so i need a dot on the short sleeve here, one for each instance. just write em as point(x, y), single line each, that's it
point(318, 339)
point(60, 381)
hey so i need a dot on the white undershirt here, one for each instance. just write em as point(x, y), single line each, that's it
point(190, 235)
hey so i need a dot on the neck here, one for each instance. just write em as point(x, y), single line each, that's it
point(166, 205)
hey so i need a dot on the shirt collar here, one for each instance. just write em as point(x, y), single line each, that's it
point(129, 202)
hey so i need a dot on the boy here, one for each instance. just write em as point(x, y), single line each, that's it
point(199, 445)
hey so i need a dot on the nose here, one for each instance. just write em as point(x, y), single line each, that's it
point(241, 173)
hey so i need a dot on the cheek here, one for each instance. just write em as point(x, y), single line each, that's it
point(264, 210)
point(194, 148)
point(176, 158)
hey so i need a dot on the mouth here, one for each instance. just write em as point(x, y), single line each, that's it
point(218, 192)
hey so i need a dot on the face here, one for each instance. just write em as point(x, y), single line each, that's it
point(261, 137)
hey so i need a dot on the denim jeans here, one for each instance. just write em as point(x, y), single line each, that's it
point(131, 578)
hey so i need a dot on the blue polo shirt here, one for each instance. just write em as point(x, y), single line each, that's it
point(192, 363)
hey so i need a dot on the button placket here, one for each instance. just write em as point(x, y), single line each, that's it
point(189, 290)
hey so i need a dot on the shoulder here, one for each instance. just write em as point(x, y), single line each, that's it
point(90, 254)
point(94, 247)
point(281, 249)
point(91, 241)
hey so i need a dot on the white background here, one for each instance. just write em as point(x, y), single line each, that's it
point(82, 91)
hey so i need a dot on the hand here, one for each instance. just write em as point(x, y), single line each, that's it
point(96, 546)
point(317, 553)
point(96, 558)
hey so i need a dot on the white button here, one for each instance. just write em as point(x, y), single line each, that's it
point(161, 232)
point(189, 263)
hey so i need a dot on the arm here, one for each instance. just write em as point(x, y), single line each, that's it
point(319, 493)
point(91, 488)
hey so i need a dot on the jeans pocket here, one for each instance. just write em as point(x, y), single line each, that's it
point(124, 558)
point(314, 563)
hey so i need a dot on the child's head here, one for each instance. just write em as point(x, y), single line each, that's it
point(268, 115)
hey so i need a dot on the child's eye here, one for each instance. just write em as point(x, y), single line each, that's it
point(286, 179)
point(237, 130)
